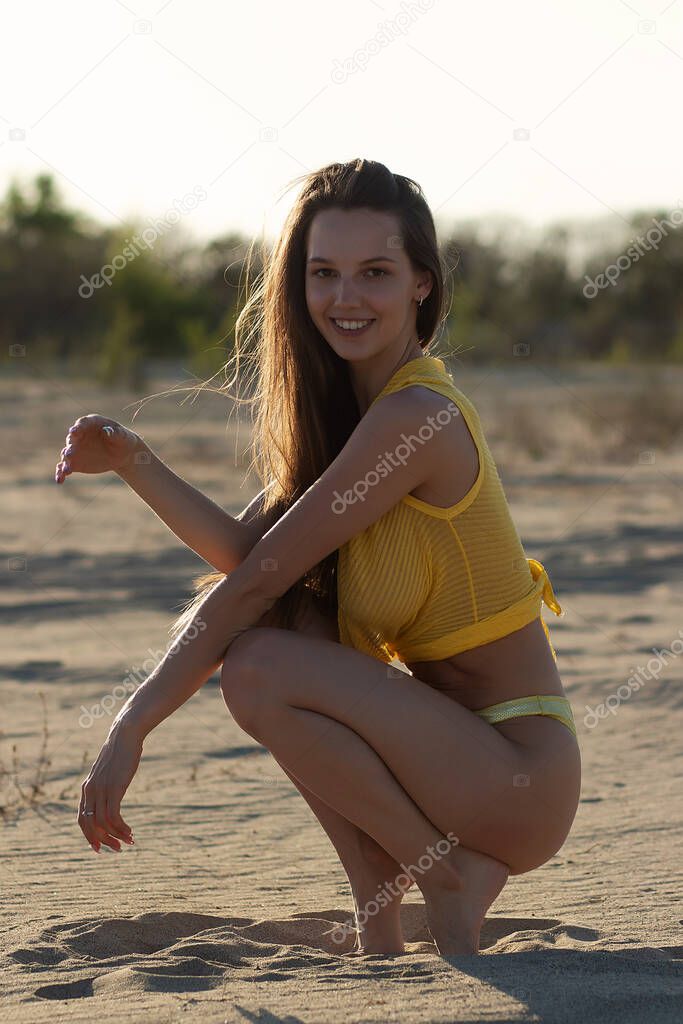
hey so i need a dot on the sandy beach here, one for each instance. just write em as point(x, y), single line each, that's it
point(224, 909)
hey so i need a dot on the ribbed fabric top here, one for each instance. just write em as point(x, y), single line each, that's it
point(423, 582)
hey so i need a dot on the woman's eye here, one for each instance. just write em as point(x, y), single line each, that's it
point(372, 270)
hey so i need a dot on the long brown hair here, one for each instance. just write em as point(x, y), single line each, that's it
point(307, 408)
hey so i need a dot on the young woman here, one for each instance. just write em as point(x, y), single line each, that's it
point(383, 536)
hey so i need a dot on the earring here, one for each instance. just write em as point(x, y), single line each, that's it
point(421, 301)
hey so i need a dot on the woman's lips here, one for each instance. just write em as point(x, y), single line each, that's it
point(352, 333)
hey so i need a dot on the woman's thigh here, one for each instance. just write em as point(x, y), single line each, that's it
point(465, 776)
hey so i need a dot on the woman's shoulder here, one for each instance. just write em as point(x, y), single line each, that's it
point(445, 430)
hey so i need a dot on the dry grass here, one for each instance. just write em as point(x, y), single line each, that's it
point(17, 794)
point(643, 413)
point(649, 416)
point(525, 429)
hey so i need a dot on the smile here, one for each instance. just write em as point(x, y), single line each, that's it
point(351, 326)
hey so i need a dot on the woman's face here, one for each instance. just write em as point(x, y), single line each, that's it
point(357, 270)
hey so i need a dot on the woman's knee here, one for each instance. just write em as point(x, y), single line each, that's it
point(251, 658)
point(241, 657)
point(241, 675)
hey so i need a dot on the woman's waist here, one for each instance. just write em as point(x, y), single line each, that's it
point(484, 694)
point(517, 665)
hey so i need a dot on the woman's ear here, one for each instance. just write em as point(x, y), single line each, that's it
point(425, 284)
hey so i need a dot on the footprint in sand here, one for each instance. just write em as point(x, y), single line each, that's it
point(184, 952)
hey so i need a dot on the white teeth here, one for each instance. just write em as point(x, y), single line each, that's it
point(351, 325)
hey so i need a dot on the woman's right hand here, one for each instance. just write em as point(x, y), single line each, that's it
point(91, 449)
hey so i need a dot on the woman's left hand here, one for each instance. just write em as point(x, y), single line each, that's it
point(103, 790)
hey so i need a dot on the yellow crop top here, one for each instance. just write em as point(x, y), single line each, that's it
point(423, 582)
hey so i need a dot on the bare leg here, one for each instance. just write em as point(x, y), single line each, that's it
point(368, 866)
point(455, 906)
point(458, 889)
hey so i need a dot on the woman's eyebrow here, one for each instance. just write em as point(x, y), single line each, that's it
point(373, 259)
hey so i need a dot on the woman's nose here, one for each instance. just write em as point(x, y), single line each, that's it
point(347, 292)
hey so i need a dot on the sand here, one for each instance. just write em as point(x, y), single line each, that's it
point(224, 908)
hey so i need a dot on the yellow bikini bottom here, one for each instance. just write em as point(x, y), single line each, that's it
point(551, 706)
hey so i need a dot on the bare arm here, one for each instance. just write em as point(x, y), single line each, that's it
point(95, 444)
point(219, 538)
point(338, 506)
point(341, 504)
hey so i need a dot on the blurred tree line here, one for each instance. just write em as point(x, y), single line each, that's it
point(177, 299)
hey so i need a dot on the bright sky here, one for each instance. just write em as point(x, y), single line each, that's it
point(133, 105)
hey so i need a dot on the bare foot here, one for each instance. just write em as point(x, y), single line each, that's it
point(378, 885)
point(455, 915)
